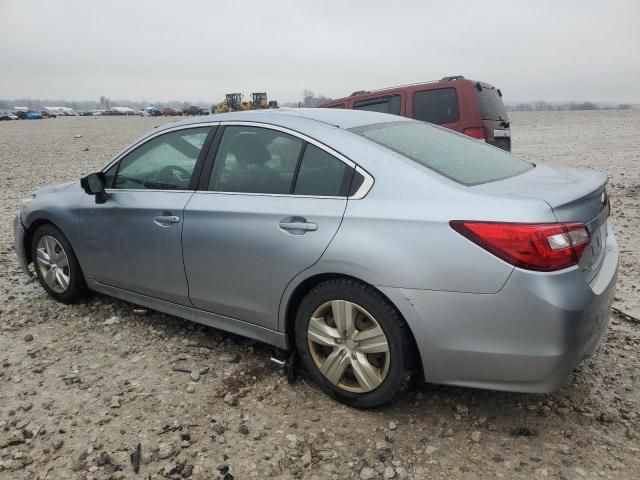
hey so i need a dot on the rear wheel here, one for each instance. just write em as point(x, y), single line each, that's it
point(56, 265)
point(354, 343)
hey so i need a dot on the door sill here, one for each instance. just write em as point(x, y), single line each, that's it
point(227, 324)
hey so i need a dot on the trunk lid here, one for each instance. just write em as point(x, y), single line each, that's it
point(574, 195)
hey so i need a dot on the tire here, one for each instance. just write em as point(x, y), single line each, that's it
point(370, 376)
point(54, 284)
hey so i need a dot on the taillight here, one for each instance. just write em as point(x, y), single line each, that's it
point(476, 132)
point(543, 247)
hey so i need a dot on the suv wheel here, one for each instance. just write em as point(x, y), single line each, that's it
point(354, 343)
point(56, 265)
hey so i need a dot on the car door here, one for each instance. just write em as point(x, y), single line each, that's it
point(133, 240)
point(268, 205)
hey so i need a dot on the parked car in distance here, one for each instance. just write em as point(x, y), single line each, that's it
point(466, 106)
point(382, 249)
point(31, 115)
point(195, 110)
point(171, 112)
point(151, 112)
point(8, 116)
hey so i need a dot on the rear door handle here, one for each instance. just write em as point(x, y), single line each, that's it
point(306, 226)
point(166, 219)
point(297, 225)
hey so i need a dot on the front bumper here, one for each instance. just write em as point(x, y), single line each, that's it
point(18, 236)
point(528, 337)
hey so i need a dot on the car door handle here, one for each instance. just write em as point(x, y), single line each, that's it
point(166, 219)
point(298, 226)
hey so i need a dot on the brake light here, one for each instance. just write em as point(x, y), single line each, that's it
point(476, 132)
point(543, 247)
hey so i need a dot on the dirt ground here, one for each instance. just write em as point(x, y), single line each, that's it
point(82, 385)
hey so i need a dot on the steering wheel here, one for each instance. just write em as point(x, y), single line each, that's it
point(172, 175)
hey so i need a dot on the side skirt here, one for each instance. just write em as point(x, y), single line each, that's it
point(220, 322)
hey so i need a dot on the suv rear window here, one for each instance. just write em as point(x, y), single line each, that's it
point(491, 105)
point(453, 155)
point(436, 106)
point(382, 105)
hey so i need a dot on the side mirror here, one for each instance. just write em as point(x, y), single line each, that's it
point(93, 184)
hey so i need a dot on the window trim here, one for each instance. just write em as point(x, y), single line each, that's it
point(197, 170)
point(359, 194)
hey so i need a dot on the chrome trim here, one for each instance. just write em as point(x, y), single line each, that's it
point(253, 194)
point(152, 136)
point(358, 195)
point(108, 190)
point(366, 184)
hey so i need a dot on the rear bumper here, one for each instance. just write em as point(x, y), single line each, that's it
point(528, 337)
point(18, 237)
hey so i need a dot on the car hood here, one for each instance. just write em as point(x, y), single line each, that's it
point(58, 187)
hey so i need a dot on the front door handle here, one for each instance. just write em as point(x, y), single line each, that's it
point(164, 219)
point(297, 225)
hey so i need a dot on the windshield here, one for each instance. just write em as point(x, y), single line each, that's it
point(491, 105)
point(457, 157)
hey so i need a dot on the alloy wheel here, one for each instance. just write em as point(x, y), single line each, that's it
point(348, 346)
point(53, 264)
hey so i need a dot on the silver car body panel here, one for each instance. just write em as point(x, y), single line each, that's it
point(477, 320)
point(237, 258)
point(126, 246)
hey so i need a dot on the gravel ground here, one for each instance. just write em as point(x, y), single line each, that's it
point(81, 386)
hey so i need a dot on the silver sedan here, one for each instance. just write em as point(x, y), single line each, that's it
point(381, 249)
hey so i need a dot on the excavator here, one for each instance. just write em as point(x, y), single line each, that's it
point(233, 103)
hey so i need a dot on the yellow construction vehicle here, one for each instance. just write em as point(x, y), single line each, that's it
point(259, 101)
point(233, 103)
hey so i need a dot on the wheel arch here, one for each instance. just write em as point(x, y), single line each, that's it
point(31, 230)
point(302, 288)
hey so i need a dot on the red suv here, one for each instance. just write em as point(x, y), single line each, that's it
point(466, 106)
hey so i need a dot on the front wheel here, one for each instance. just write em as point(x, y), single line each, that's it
point(354, 343)
point(56, 265)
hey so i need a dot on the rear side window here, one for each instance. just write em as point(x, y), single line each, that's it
point(436, 106)
point(383, 105)
point(491, 105)
point(455, 156)
point(322, 174)
point(261, 160)
point(255, 160)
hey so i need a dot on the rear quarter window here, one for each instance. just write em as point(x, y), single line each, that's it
point(459, 158)
point(438, 106)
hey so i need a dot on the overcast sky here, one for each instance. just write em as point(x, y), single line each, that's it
point(199, 50)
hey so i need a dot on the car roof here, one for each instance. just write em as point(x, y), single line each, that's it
point(302, 118)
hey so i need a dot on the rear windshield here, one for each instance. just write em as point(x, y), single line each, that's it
point(453, 155)
point(491, 105)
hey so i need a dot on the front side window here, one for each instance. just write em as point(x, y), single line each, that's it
point(165, 162)
point(438, 106)
point(255, 160)
point(450, 154)
point(383, 105)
